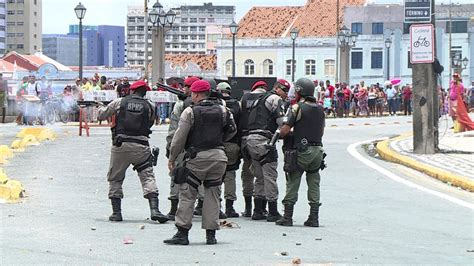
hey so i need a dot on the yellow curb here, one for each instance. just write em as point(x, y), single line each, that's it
point(29, 140)
point(389, 154)
point(11, 191)
point(5, 151)
point(46, 134)
point(3, 177)
point(35, 131)
point(16, 146)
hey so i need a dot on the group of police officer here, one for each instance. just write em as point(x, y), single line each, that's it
point(209, 133)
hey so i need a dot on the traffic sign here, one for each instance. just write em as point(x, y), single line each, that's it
point(418, 11)
point(422, 44)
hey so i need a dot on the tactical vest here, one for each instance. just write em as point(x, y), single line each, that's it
point(207, 131)
point(234, 108)
point(310, 124)
point(260, 117)
point(187, 102)
point(134, 117)
point(247, 101)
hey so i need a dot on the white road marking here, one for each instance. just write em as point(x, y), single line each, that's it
point(353, 151)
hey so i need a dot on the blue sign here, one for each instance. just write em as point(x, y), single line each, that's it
point(48, 70)
point(417, 11)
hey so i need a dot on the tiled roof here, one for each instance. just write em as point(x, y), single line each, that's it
point(205, 62)
point(8, 67)
point(316, 19)
point(33, 62)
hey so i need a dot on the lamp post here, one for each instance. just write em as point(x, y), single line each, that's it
point(293, 34)
point(346, 41)
point(80, 11)
point(234, 27)
point(388, 43)
point(460, 64)
point(160, 19)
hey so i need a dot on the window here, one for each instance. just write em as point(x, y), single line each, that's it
point(329, 67)
point(228, 67)
point(10, 34)
point(202, 37)
point(356, 28)
point(409, 62)
point(185, 28)
point(20, 1)
point(406, 28)
point(35, 13)
point(457, 26)
point(289, 66)
point(211, 20)
point(202, 28)
point(20, 23)
point(10, 23)
point(310, 67)
point(141, 20)
point(20, 46)
point(2, 5)
point(2, 28)
point(376, 60)
point(35, 2)
point(377, 28)
point(34, 36)
point(34, 24)
point(11, 1)
point(268, 67)
point(356, 62)
point(184, 20)
point(140, 54)
point(2, 16)
point(193, 37)
point(193, 20)
point(11, 12)
point(19, 12)
point(202, 20)
point(184, 37)
point(20, 34)
point(35, 47)
point(131, 19)
point(249, 67)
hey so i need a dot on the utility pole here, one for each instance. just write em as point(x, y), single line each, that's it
point(425, 104)
point(450, 40)
point(337, 42)
point(146, 40)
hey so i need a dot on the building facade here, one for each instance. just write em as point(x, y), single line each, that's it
point(3, 16)
point(375, 24)
point(196, 31)
point(24, 26)
point(74, 29)
point(63, 48)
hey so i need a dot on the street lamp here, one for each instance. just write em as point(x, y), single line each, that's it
point(80, 11)
point(460, 64)
point(234, 27)
point(388, 43)
point(346, 41)
point(293, 34)
point(160, 20)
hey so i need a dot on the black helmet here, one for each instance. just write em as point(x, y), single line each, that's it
point(304, 87)
point(212, 82)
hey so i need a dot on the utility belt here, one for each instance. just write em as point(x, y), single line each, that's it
point(118, 140)
point(267, 134)
point(290, 155)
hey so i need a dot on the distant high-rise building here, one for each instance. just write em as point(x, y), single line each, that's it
point(112, 40)
point(3, 16)
point(195, 31)
point(74, 29)
point(24, 26)
point(63, 48)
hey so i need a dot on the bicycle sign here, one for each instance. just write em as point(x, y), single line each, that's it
point(422, 44)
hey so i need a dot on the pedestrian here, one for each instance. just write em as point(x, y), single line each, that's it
point(391, 94)
point(355, 101)
point(470, 95)
point(20, 119)
point(95, 85)
point(123, 88)
point(305, 152)
point(281, 88)
point(347, 100)
point(372, 98)
point(265, 114)
point(232, 151)
point(407, 100)
point(339, 100)
point(184, 101)
point(380, 102)
point(362, 99)
point(203, 129)
point(456, 88)
point(3, 97)
point(130, 134)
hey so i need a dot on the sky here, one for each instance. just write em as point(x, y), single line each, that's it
point(59, 14)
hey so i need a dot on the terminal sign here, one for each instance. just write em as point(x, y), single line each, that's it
point(422, 44)
point(417, 11)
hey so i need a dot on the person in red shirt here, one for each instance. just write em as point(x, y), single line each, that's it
point(347, 100)
point(407, 100)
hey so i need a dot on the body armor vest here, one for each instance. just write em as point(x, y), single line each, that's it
point(260, 117)
point(134, 117)
point(248, 100)
point(310, 124)
point(234, 108)
point(207, 131)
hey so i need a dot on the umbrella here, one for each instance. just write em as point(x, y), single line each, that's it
point(396, 82)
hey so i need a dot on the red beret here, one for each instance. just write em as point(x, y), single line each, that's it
point(285, 83)
point(138, 84)
point(200, 86)
point(260, 83)
point(189, 81)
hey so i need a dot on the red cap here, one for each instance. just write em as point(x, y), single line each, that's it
point(140, 83)
point(189, 81)
point(200, 86)
point(285, 83)
point(260, 83)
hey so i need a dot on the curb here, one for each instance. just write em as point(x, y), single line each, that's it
point(10, 190)
point(387, 153)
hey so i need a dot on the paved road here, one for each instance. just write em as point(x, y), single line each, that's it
point(366, 217)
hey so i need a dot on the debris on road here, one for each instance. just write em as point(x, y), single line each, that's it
point(296, 261)
point(318, 239)
point(470, 250)
point(284, 234)
point(226, 224)
point(284, 253)
point(142, 226)
point(93, 228)
point(298, 244)
point(127, 240)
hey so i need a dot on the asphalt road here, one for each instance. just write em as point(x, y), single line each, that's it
point(366, 218)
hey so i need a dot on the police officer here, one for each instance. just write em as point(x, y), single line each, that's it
point(281, 88)
point(265, 113)
point(134, 119)
point(178, 109)
point(307, 120)
point(203, 129)
point(232, 150)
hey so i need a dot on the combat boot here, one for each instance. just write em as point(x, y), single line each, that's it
point(156, 215)
point(313, 218)
point(273, 214)
point(116, 210)
point(248, 207)
point(264, 207)
point(258, 211)
point(180, 238)
point(229, 209)
point(287, 219)
point(173, 209)
point(198, 208)
point(211, 237)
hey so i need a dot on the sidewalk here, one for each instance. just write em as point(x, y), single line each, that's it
point(454, 164)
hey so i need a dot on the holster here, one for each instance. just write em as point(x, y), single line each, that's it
point(290, 160)
point(180, 172)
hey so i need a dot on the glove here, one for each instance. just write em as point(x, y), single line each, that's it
point(167, 153)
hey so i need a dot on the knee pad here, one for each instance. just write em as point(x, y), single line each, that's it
point(144, 165)
point(193, 181)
